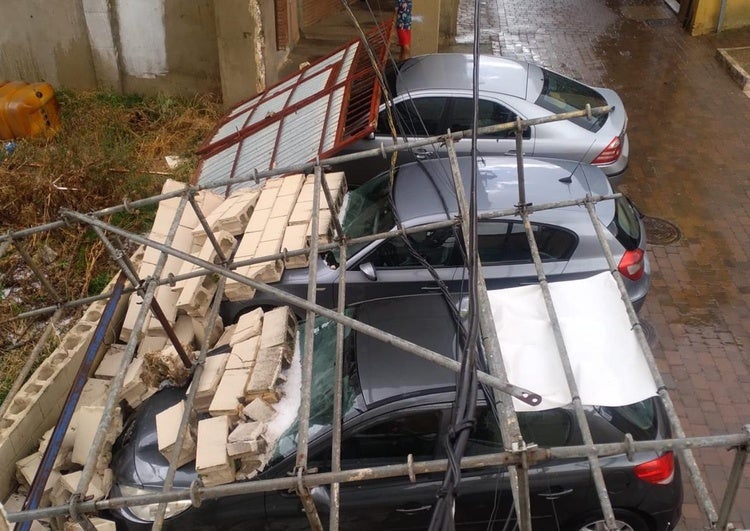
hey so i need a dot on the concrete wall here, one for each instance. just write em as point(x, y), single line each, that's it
point(46, 41)
point(705, 15)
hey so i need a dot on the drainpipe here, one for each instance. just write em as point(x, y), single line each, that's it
point(722, 10)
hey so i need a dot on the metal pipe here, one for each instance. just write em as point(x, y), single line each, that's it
point(58, 433)
point(509, 428)
point(30, 361)
point(337, 398)
point(534, 456)
point(37, 271)
point(287, 298)
point(303, 417)
point(117, 382)
point(562, 350)
point(704, 498)
point(733, 485)
point(207, 230)
point(301, 168)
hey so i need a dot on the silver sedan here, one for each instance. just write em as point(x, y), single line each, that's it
point(433, 93)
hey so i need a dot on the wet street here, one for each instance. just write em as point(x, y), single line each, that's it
point(689, 128)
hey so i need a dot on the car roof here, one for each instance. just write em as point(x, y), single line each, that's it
point(451, 71)
point(385, 371)
point(425, 189)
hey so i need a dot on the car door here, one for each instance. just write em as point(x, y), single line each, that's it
point(391, 503)
point(390, 267)
point(460, 116)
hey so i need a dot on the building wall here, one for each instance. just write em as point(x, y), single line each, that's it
point(46, 41)
point(705, 15)
point(312, 11)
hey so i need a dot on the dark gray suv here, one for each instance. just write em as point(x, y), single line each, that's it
point(397, 404)
point(423, 193)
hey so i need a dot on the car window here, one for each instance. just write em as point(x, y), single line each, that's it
point(562, 94)
point(461, 117)
point(625, 225)
point(414, 117)
point(391, 440)
point(545, 428)
point(437, 247)
point(368, 211)
point(504, 241)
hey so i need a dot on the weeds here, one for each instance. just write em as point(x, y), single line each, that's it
point(110, 147)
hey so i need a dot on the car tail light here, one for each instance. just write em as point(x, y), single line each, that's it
point(631, 264)
point(610, 153)
point(659, 471)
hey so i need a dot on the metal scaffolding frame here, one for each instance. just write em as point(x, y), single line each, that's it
point(519, 454)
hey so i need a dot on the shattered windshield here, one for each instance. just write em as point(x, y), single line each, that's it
point(368, 211)
point(322, 390)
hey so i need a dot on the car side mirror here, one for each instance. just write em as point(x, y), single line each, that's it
point(321, 498)
point(368, 270)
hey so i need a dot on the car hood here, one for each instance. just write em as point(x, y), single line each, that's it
point(136, 459)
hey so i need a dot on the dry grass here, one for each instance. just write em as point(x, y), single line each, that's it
point(110, 147)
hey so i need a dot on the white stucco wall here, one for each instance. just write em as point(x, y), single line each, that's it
point(142, 33)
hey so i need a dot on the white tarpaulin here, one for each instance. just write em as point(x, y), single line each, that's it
point(608, 364)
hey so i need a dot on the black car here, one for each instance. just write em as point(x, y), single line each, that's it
point(397, 404)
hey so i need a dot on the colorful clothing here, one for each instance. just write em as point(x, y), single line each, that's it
point(403, 14)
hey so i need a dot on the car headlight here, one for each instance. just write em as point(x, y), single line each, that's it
point(148, 512)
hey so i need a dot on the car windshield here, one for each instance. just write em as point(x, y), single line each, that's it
point(368, 211)
point(322, 390)
point(625, 225)
point(561, 94)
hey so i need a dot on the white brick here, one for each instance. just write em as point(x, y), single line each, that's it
point(248, 325)
point(100, 524)
point(279, 327)
point(295, 238)
point(229, 392)
point(291, 184)
point(259, 410)
point(267, 198)
point(109, 366)
point(167, 429)
point(302, 213)
point(199, 329)
point(274, 232)
point(212, 462)
point(243, 354)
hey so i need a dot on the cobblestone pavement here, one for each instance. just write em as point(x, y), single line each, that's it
point(689, 128)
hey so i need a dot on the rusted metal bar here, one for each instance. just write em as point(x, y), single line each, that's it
point(37, 271)
point(337, 397)
point(303, 418)
point(704, 498)
point(509, 428)
point(189, 401)
point(206, 228)
point(30, 361)
point(562, 350)
point(284, 297)
point(117, 382)
point(733, 485)
point(499, 459)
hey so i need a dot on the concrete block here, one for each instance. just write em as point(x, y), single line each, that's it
point(283, 206)
point(94, 393)
point(263, 380)
point(273, 232)
point(26, 470)
point(231, 389)
point(295, 238)
point(247, 431)
point(246, 440)
point(212, 462)
point(302, 213)
point(89, 418)
point(337, 185)
point(291, 185)
point(232, 215)
point(199, 329)
point(167, 429)
point(325, 228)
point(243, 354)
point(273, 182)
point(279, 328)
point(226, 336)
point(267, 198)
point(306, 193)
point(207, 201)
point(110, 364)
point(248, 245)
point(259, 410)
point(213, 370)
point(258, 219)
point(167, 300)
point(152, 342)
point(183, 329)
point(68, 484)
point(237, 291)
point(248, 325)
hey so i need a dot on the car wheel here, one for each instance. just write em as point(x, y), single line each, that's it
point(624, 521)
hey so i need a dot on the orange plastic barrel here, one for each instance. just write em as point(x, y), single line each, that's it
point(27, 109)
